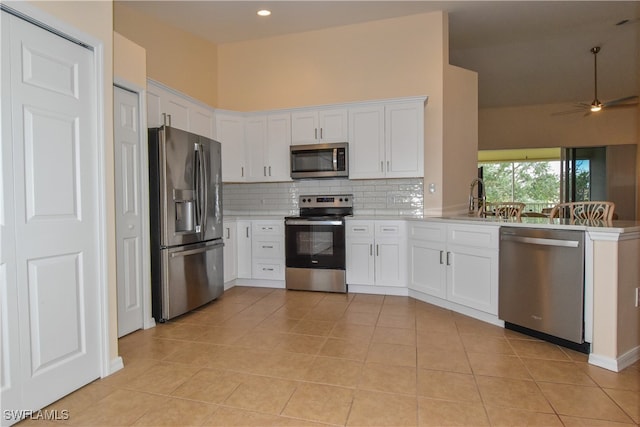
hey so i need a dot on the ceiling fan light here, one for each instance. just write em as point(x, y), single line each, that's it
point(596, 106)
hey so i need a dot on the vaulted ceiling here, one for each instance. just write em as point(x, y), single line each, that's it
point(526, 52)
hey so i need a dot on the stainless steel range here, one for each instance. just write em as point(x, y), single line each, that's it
point(315, 244)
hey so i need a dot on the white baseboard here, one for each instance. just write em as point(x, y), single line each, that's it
point(378, 290)
point(149, 323)
point(467, 311)
point(617, 364)
point(115, 365)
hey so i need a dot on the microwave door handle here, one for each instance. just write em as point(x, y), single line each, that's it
point(335, 159)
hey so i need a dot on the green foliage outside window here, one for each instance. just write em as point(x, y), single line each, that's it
point(536, 183)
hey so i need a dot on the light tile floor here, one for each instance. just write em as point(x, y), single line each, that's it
point(274, 357)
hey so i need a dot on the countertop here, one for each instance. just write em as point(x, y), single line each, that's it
point(616, 227)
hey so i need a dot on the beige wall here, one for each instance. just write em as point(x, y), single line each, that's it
point(176, 58)
point(381, 59)
point(460, 157)
point(129, 61)
point(96, 19)
point(535, 127)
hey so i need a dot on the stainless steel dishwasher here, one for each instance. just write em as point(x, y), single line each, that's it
point(542, 284)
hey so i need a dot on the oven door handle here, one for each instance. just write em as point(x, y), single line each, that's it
point(313, 222)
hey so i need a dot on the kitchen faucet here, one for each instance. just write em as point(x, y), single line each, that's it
point(481, 199)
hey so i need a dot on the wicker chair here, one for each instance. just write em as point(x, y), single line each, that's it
point(506, 210)
point(587, 211)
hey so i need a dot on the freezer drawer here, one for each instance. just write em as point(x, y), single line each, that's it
point(192, 275)
point(542, 281)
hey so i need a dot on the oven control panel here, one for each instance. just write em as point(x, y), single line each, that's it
point(335, 201)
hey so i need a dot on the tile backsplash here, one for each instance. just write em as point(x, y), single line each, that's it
point(403, 197)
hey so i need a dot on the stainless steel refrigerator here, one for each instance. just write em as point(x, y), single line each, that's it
point(186, 221)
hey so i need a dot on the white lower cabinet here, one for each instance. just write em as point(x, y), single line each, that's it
point(243, 249)
point(267, 250)
point(455, 262)
point(230, 240)
point(376, 253)
point(260, 249)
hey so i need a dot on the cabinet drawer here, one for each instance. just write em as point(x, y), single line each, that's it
point(484, 236)
point(430, 232)
point(263, 248)
point(390, 229)
point(360, 228)
point(267, 269)
point(268, 228)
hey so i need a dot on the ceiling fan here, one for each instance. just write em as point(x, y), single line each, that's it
point(596, 105)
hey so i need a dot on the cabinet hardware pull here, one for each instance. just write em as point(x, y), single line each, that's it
point(387, 165)
point(381, 166)
point(371, 249)
point(441, 253)
point(267, 269)
point(388, 229)
point(264, 170)
point(315, 133)
point(269, 170)
point(247, 232)
point(228, 233)
point(359, 229)
point(448, 258)
point(267, 247)
point(320, 133)
point(377, 250)
point(242, 171)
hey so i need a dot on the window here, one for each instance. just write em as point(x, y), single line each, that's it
point(527, 176)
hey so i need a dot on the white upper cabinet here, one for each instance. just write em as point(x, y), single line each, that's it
point(386, 140)
point(267, 138)
point(230, 133)
point(318, 126)
point(366, 142)
point(404, 139)
point(165, 107)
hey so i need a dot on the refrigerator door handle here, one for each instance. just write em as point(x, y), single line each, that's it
point(197, 181)
point(204, 189)
point(196, 251)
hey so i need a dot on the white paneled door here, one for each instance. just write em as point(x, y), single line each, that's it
point(50, 261)
point(126, 119)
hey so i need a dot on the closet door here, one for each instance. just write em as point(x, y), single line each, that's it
point(54, 212)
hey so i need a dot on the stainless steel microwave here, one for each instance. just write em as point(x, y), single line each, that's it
point(320, 161)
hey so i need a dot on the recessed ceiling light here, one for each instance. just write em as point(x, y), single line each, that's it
point(264, 12)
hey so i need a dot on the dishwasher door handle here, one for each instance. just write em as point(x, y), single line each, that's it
point(541, 241)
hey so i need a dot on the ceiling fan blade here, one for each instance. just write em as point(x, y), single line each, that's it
point(630, 105)
point(621, 101)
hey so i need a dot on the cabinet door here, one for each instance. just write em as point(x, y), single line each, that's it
point(230, 133)
point(278, 142)
point(176, 110)
point(427, 272)
point(201, 121)
point(359, 252)
point(366, 142)
point(244, 249)
point(472, 277)
point(304, 127)
point(230, 256)
point(333, 125)
point(360, 261)
point(404, 138)
point(390, 262)
point(154, 110)
point(255, 132)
